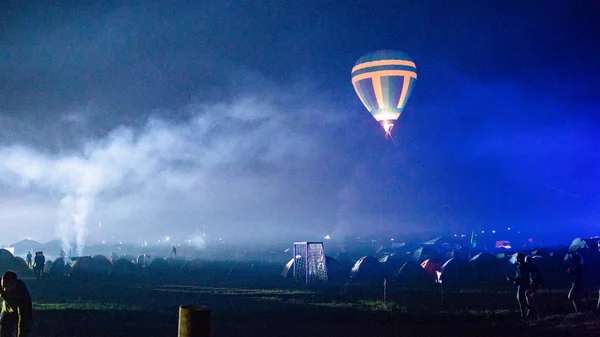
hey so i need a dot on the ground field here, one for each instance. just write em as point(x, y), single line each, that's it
point(263, 307)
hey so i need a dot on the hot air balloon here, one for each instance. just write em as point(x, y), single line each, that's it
point(383, 80)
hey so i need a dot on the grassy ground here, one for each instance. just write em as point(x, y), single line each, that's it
point(146, 307)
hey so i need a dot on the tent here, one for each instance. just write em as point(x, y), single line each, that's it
point(411, 273)
point(432, 266)
point(458, 273)
point(99, 265)
point(82, 266)
point(102, 265)
point(9, 262)
point(367, 270)
point(124, 267)
point(6, 260)
point(159, 266)
point(47, 266)
point(288, 270)
point(552, 268)
point(5, 255)
point(142, 260)
point(192, 267)
point(482, 260)
point(391, 263)
point(344, 257)
point(337, 272)
point(176, 264)
point(59, 268)
point(423, 253)
point(20, 266)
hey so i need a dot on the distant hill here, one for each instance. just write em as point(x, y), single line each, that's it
point(23, 246)
point(52, 248)
point(49, 248)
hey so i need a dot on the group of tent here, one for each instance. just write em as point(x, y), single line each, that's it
point(419, 266)
point(424, 266)
point(103, 266)
point(100, 265)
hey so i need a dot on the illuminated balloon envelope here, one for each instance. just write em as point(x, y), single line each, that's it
point(383, 80)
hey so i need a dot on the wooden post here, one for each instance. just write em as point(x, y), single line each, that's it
point(384, 291)
point(194, 321)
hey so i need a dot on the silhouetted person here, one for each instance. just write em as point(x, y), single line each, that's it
point(43, 263)
point(174, 252)
point(29, 263)
point(576, 273)
point(534, 283)
point(38, 265)
point(17, 313)
point(522, 281)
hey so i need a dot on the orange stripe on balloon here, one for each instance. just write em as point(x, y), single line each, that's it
point(380, 73)
point(383, 63)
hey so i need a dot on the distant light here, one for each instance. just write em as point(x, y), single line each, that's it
point(327, 237)
point(167, 238)
point(508, 228)
point(392, 239)
point(120, 242)
point(519, 232)
point(158, 241)
point(454, 234)
point(482, 232)
point(145, 243)
point(494, 231)
point(103, 242)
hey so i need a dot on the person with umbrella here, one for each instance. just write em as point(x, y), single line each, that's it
point(522, 281)
point(576, 273)
point(534, 283)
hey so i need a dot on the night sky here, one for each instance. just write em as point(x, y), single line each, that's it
point(156, 118)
